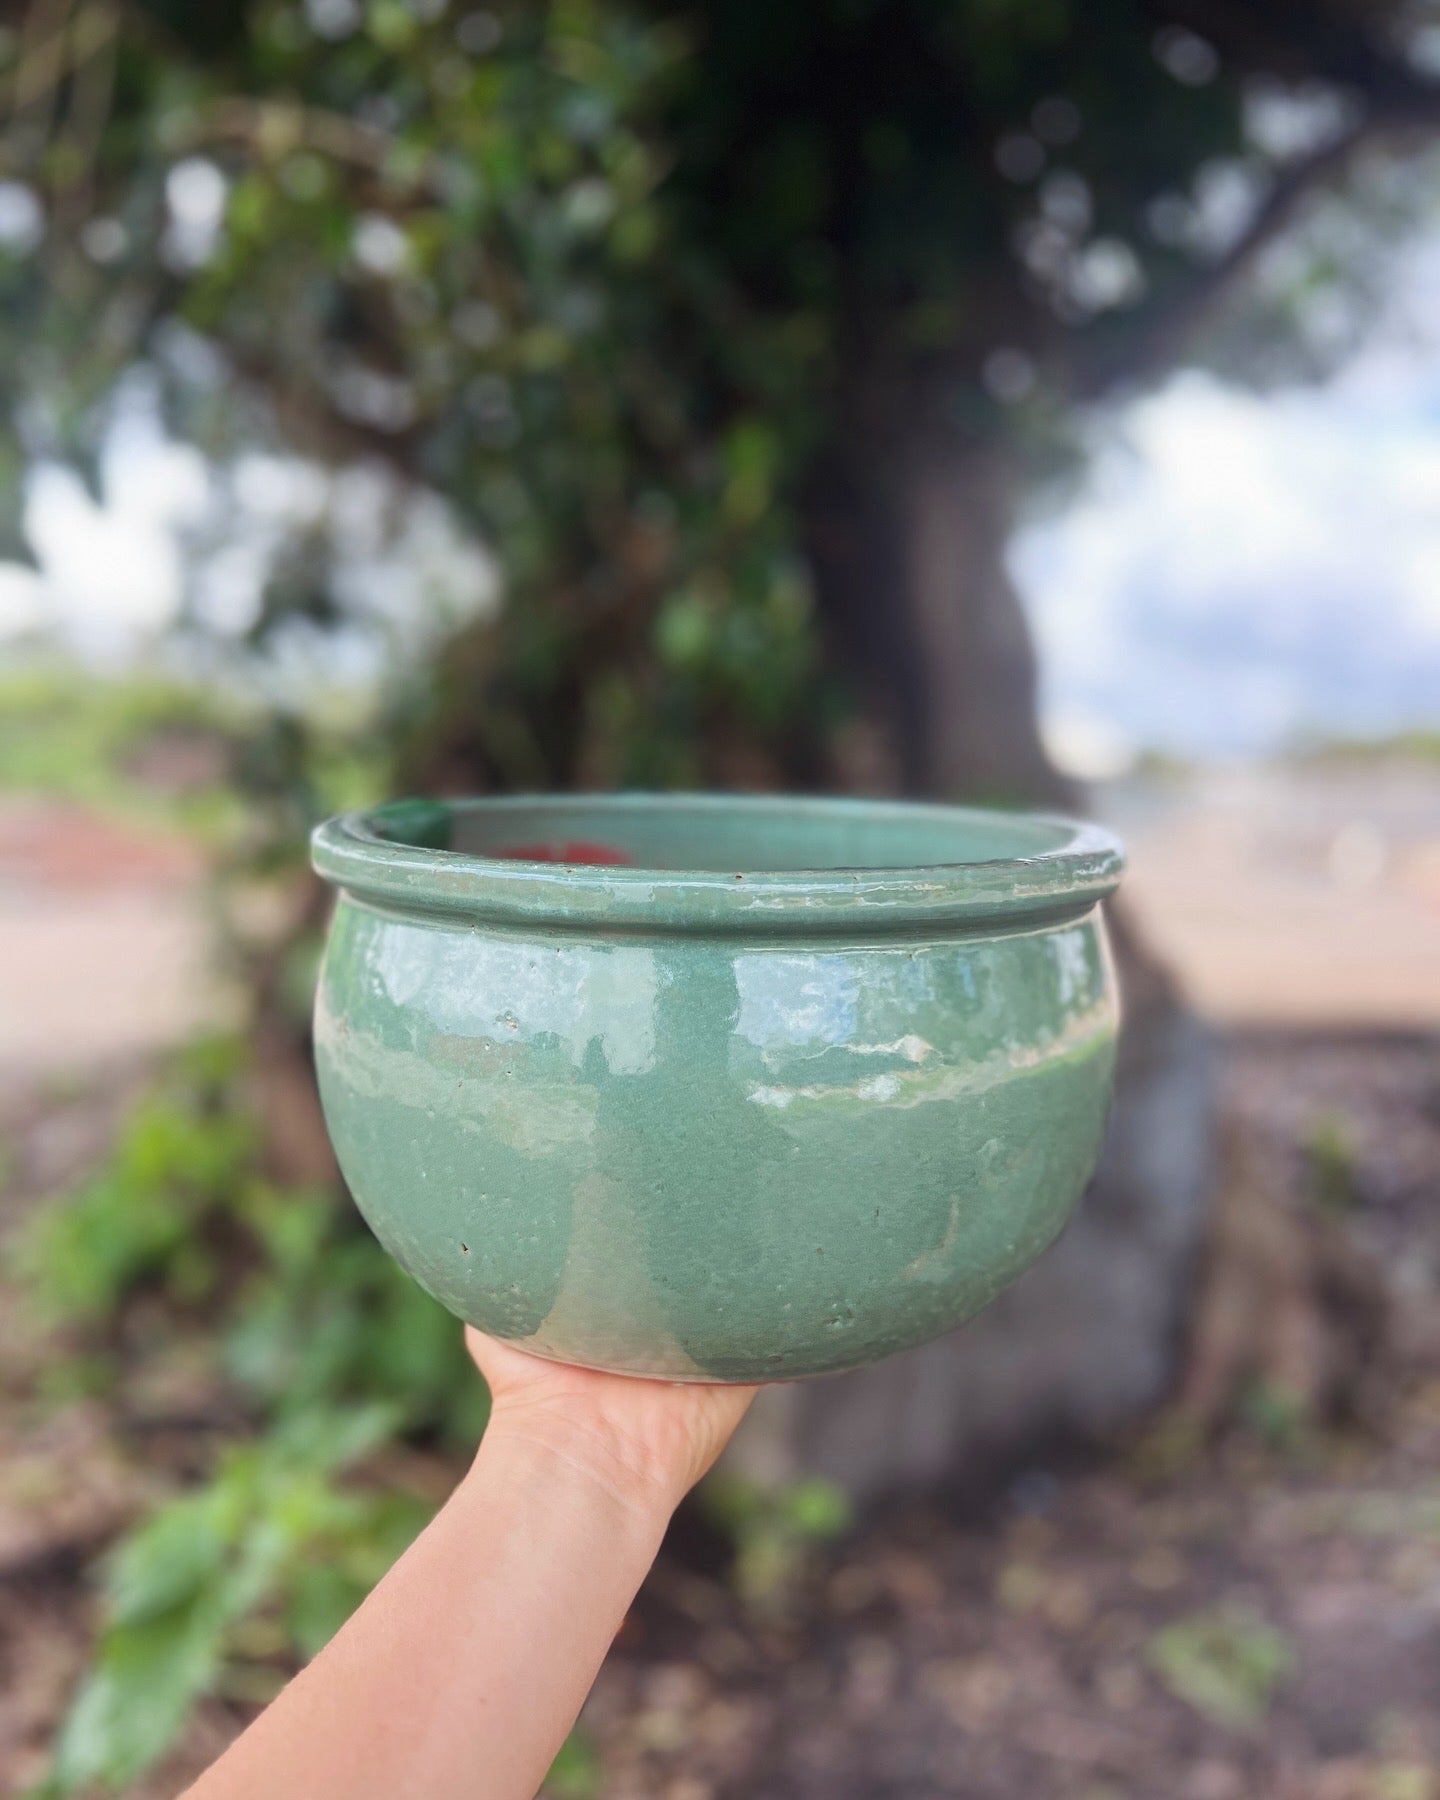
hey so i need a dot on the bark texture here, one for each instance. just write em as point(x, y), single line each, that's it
point(907, 539)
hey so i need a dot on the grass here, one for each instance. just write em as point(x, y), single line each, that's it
point(74, 736)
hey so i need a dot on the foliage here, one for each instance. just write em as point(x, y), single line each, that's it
point(490, 259)
point(318, 1357)
point(1329, 1150)
point(191, 757)
point(1420, 747)
point(272, 1529)
point(624, 282)
point(1277, 1413)
point(140, 1220)
point(1226, 1663)
point(321, 1354)
point(76, 737)
point(775, 1530)
point(575, 1773)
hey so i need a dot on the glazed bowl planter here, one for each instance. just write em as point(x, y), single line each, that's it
point(709, 1087)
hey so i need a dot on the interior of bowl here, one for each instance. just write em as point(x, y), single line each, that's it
point(721, 833)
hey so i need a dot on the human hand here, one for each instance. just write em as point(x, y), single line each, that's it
point(647, 1442)
point(467, 1665)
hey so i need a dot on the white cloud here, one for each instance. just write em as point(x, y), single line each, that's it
point(171, 539)
point(111, 570)
point(23, 606)
point(1240, 568)
point(110, 575)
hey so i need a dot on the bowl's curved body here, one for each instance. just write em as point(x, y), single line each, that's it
point(752, 1143)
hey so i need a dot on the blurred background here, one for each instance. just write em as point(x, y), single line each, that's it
point(1006, 400)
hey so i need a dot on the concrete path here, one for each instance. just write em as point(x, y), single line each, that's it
point(1305, 897)
point(102, 942)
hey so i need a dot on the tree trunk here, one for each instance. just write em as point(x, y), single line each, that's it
point(908, 549)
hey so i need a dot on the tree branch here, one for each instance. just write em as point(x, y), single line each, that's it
point(1155, 340)
point(1298, 40)
point(315, 426)
point(274, 128)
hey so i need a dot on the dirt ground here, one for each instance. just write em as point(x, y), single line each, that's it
point(1297, 896)
point(1253, 1618)
point(1165, 1622)
point(102, 942)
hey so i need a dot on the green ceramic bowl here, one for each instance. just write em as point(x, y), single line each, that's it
point(710, 1087)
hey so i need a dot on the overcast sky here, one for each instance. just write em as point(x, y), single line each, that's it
point(1239, 570)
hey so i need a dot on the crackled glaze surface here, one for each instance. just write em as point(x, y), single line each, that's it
point(780, 1142)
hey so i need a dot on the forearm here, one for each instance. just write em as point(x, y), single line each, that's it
point(463, 1671)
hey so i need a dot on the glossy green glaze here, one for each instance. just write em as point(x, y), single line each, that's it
point(807, 1084)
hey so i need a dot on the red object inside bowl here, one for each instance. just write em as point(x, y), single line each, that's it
point(579, 851)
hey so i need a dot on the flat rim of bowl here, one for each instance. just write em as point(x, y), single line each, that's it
point(1056, 879)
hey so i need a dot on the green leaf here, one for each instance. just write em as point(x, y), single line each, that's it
point(322, 1597)
point(575, 1772)
point(753, 459)
point(818, 1509)
point(1226, 1663)
point(172, 1557)
point(131, 1707)
point(327, 1439)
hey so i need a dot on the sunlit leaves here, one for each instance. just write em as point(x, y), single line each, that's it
point(323, 1353)
point(466, 221)
point(1226, 1664)
point(272, 1529)
point(139, 1218)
